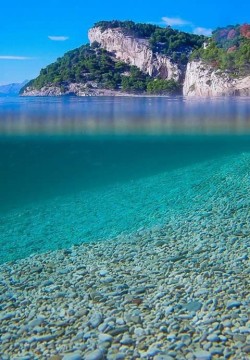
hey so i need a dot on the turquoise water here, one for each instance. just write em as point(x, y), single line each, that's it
point(76, 170)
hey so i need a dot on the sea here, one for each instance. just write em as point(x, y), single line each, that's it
point(86, 169)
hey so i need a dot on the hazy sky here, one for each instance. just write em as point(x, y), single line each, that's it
point(35, 33)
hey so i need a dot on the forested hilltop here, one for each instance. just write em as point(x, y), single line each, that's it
point(228, 49)
point(167, 52)
point(97, 68)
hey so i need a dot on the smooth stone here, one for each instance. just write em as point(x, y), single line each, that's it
point(232, 304)
point(216, 351)
point(213, 338)
point(192, 306)
point(95, 320)
point(240, 337)
point(44, 338)
point(96, 295)
point(201, 292)
point(139, 332)
point(72, 356)
point(246, 349)
point(120, 356)
point(171, 337)
point(103, 272)
point(94, 355)
point(118, 330)
point(169, 310)
point(175, 258)
point(107, 280)
point(36, 322)
point(47, 283)
point(7, 316)
point(102, 327)
point(120, 321)
point(140, 290)
point(227, 323)
point(202, 355)
point(223, 338)
point(127, 340)
point(153, 350)
point(105, 338)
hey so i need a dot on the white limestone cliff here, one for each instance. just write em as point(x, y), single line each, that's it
point(197, 78)
point(135, 51)
point(203, 80)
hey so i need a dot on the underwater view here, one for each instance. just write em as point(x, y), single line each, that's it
point(125, 228)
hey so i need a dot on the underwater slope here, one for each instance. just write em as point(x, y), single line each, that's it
point(92, 214)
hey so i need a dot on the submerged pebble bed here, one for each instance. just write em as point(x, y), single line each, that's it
point(178, 290)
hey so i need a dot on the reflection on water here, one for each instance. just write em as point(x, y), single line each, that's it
point(124, 115)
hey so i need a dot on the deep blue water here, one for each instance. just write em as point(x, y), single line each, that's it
point(79, 163)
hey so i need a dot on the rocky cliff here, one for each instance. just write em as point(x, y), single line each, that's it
point(125, 57)
point(199, 79)
point(136, 51)
point(204, 80)
point(75, 89)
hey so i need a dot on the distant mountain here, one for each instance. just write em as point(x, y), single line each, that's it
point(12, 89)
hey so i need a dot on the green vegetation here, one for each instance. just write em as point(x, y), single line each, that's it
point(176, 44)
point(136, 81)
point(82, 65)
point(228, 49)
point(129, 27)
point(160, 86)
point(91, 64)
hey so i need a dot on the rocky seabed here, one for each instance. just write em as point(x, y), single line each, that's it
point(180, 290)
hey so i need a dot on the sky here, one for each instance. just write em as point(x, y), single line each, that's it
point(34, 34)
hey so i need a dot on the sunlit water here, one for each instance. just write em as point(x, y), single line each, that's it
point(80, 169)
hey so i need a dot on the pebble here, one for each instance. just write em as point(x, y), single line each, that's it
point(72, 356)
point(240, 338)
point(192, 306)
point(202, 355)
point(217, 351)
point(95, 320)
point(7, 316)
point(119, 330)
point(227, 323)
point(153, 350)
point(94, 355)
point(213, 338)
point(105, 338)
point(246, 349)
point(103, 272)
point(233, 304)
point(127, 340)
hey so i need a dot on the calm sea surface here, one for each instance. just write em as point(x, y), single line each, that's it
point(82, 169)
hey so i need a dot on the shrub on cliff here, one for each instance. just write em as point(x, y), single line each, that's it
point(228, 49)
point(163, 87)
